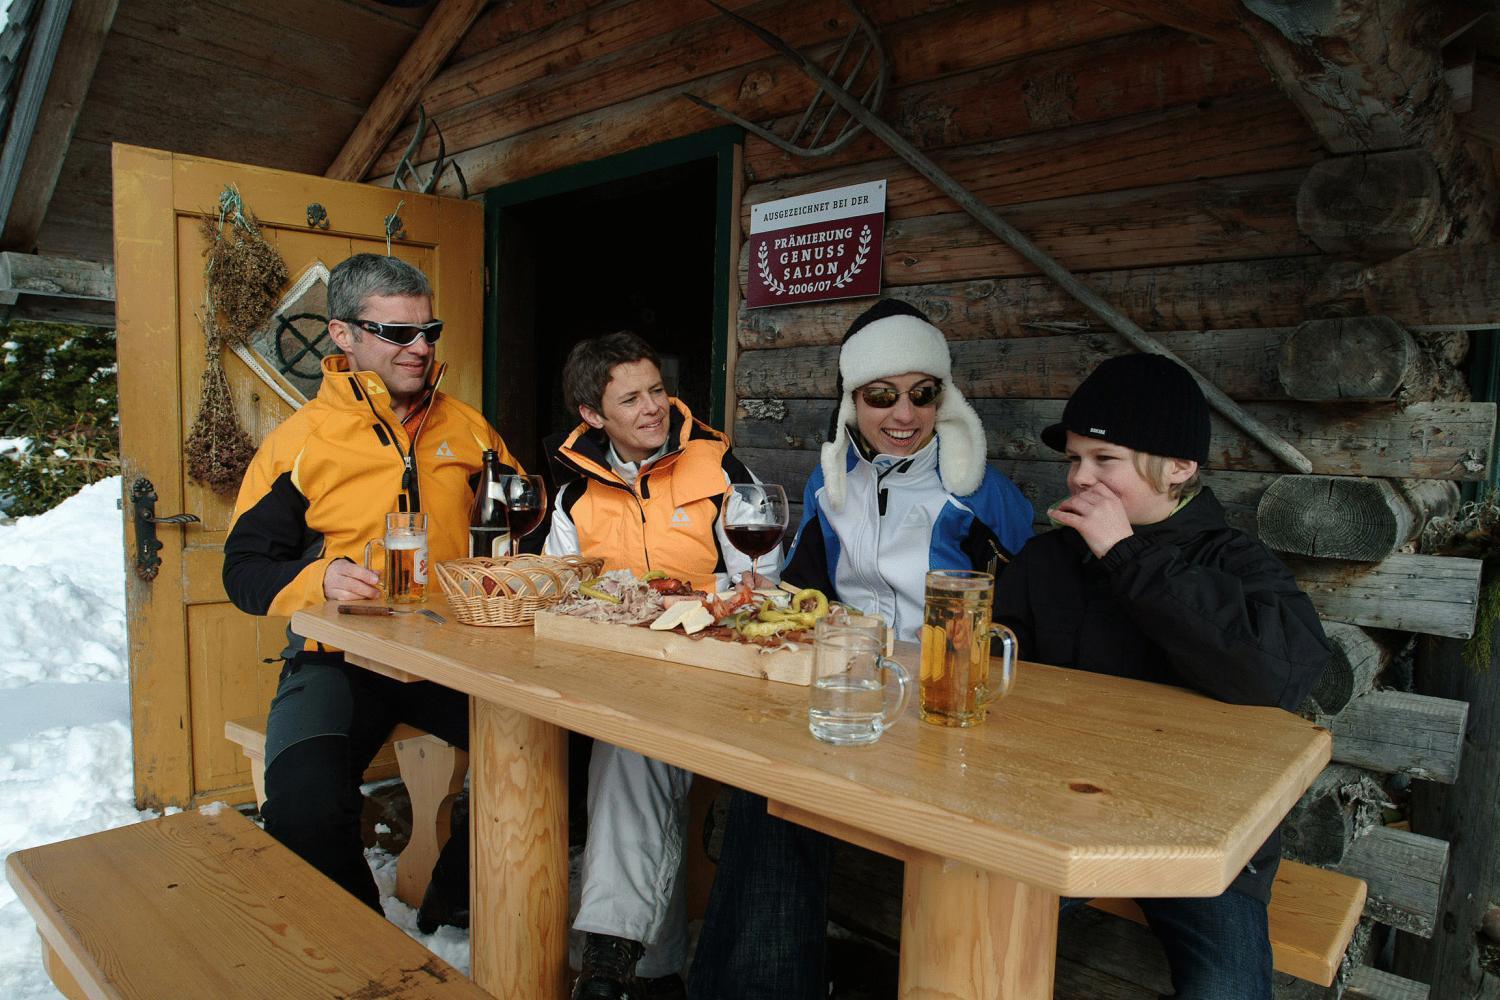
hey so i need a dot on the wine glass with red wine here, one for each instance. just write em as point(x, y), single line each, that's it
point(754, 517)
point(525, 505)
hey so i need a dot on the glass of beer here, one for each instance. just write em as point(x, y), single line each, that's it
point(959, 680)
point(404, 548)
point(857, 692)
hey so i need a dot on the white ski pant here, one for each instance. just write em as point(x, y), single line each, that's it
point(633, 856)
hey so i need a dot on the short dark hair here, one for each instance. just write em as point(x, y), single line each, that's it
point(590, 363)
point(365, 274)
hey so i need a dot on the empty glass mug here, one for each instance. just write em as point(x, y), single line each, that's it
point(959, 678)
point(404, 575)
point(857, 692)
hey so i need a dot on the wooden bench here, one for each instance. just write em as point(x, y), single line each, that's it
point(209, 905)
point(1313, 915)
point(432, 770)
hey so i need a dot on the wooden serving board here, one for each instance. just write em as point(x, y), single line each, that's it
point(788, 667)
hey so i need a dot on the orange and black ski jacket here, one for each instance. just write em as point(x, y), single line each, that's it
point(667, 520)
point(321, 484)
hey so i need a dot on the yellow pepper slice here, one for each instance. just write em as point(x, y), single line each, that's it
point(588, 589)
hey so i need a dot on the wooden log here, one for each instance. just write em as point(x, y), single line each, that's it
point(1101, 81)
point(1339, 806)
point(1366, 983)
point(1362, 92)
point(1337, 517)
point(1208, 220)
point(1396, 732)
point(706, 52)
point(503, 23)
point(1447, 288)
point(1458, 960)
point(1405, 873)
point(1358, 659)
point(1435, 595)
point(1254, 133)
point(1213, 19)
point(33, 274)
point(1425, 440)
point(1373, 205)
point(441, 32)
point(1362, 357)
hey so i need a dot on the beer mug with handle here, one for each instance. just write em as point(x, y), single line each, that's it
point(960, 678)
point(857, 692)
point(403, 575)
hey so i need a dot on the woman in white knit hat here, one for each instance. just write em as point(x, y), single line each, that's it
point(902, 488)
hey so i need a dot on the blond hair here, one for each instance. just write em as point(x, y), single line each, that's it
point(1153, 469)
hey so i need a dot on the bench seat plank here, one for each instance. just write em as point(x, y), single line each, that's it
point(1312, 917)
point(209, 905)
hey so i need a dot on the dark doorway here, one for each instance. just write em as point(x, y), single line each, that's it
point(642, 250)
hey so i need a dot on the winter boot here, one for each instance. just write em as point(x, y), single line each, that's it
point(609, 969)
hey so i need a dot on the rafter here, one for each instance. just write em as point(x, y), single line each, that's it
point(77, 57)
point(444, 29)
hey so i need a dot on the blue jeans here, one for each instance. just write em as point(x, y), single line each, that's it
point(763, 937)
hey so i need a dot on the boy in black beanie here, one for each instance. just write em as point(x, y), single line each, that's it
point(1144, 579)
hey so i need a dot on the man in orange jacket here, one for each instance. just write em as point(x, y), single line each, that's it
point(380, 437)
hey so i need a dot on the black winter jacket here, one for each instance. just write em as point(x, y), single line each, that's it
point(1189, 601)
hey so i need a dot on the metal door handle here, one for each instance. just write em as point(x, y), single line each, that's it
point(143, 500)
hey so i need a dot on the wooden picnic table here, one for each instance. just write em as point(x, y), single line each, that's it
point(1078, 785)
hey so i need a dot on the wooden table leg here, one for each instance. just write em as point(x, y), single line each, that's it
point(971, 933)
point(519, 876)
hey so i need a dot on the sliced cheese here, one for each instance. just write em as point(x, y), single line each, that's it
point(697, 619)
point(673, 616)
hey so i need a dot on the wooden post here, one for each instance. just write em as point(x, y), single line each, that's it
point(519, 875)
point(1012, 928)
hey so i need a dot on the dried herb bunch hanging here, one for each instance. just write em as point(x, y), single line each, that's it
point(243, 279)
point(244, 273)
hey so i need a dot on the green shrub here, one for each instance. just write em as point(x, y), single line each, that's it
point(57, 388)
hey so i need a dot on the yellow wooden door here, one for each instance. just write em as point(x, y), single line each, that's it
point(195, 660)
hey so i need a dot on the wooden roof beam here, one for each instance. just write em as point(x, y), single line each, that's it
point(88, 24)
point(445, 28)
point(32, 274)
point(1368, 75)
point(1215, 19)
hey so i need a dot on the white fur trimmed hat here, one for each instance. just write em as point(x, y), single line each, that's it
point(892, 338)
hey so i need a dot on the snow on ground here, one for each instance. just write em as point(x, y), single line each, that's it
point(65, 758)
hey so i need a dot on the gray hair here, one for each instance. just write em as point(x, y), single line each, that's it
point(365, 274)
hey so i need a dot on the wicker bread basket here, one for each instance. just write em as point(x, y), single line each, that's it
point(508, 590)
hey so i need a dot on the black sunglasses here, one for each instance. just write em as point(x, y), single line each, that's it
point(400, 334)
point(883, 397)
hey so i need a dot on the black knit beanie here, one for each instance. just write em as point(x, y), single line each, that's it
point(1141, 401)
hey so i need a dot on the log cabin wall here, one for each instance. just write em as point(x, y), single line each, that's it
point(1170, 169)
